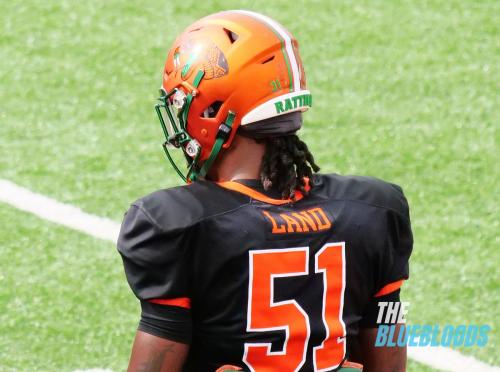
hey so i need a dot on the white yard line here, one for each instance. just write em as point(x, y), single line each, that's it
point(441, 358)
point(446, 359)
point(54, 211)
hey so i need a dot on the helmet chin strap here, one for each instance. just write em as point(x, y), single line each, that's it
point(222, 135)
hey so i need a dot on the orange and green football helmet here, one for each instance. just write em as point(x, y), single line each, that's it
point(227, 70)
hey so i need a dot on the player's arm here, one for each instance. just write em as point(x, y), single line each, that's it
point(155, 354)
point(154, 260)
point(393, 252)
point(362, 347)
point(377, 359)
point(162, 340)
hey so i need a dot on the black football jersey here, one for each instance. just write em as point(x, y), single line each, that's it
point(269, 284)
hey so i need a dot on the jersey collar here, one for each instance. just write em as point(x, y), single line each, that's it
point(238, 186)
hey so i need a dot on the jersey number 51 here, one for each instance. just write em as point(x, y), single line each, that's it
point(265, 314)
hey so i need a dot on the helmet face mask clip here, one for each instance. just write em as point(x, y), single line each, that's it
point(171, 113)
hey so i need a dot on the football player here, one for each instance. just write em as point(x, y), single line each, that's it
point(258, 263)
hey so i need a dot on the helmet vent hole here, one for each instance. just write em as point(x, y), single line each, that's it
point(268, 60)
point(231, 35)
point(212, 110)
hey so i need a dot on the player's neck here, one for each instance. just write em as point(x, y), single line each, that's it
point(241, 161)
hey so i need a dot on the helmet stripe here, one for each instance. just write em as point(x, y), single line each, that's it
point(288, 52)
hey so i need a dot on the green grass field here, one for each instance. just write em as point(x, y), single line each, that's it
point(403, 90)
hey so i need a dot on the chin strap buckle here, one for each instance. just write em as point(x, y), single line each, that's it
point(224, 132)
point(225, 128)
point(222, 135)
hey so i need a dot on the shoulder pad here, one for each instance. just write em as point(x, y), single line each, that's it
point(183, 206)
point(369, 190)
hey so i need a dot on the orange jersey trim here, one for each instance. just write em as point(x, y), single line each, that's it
point(227, 368)
point(179, 302)
point(348, 364)
point(242, 189)
point(389, 288)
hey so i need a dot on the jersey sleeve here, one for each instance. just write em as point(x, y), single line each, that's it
point(397, 245)
point(154, 259)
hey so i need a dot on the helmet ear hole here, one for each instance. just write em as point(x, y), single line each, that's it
point(212, 110)
point(231, 35)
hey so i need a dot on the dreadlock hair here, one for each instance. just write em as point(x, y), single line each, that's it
point(286, 162)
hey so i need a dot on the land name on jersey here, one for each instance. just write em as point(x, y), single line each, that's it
point(313, 219)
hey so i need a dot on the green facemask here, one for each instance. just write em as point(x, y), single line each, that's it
point(172, 110)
